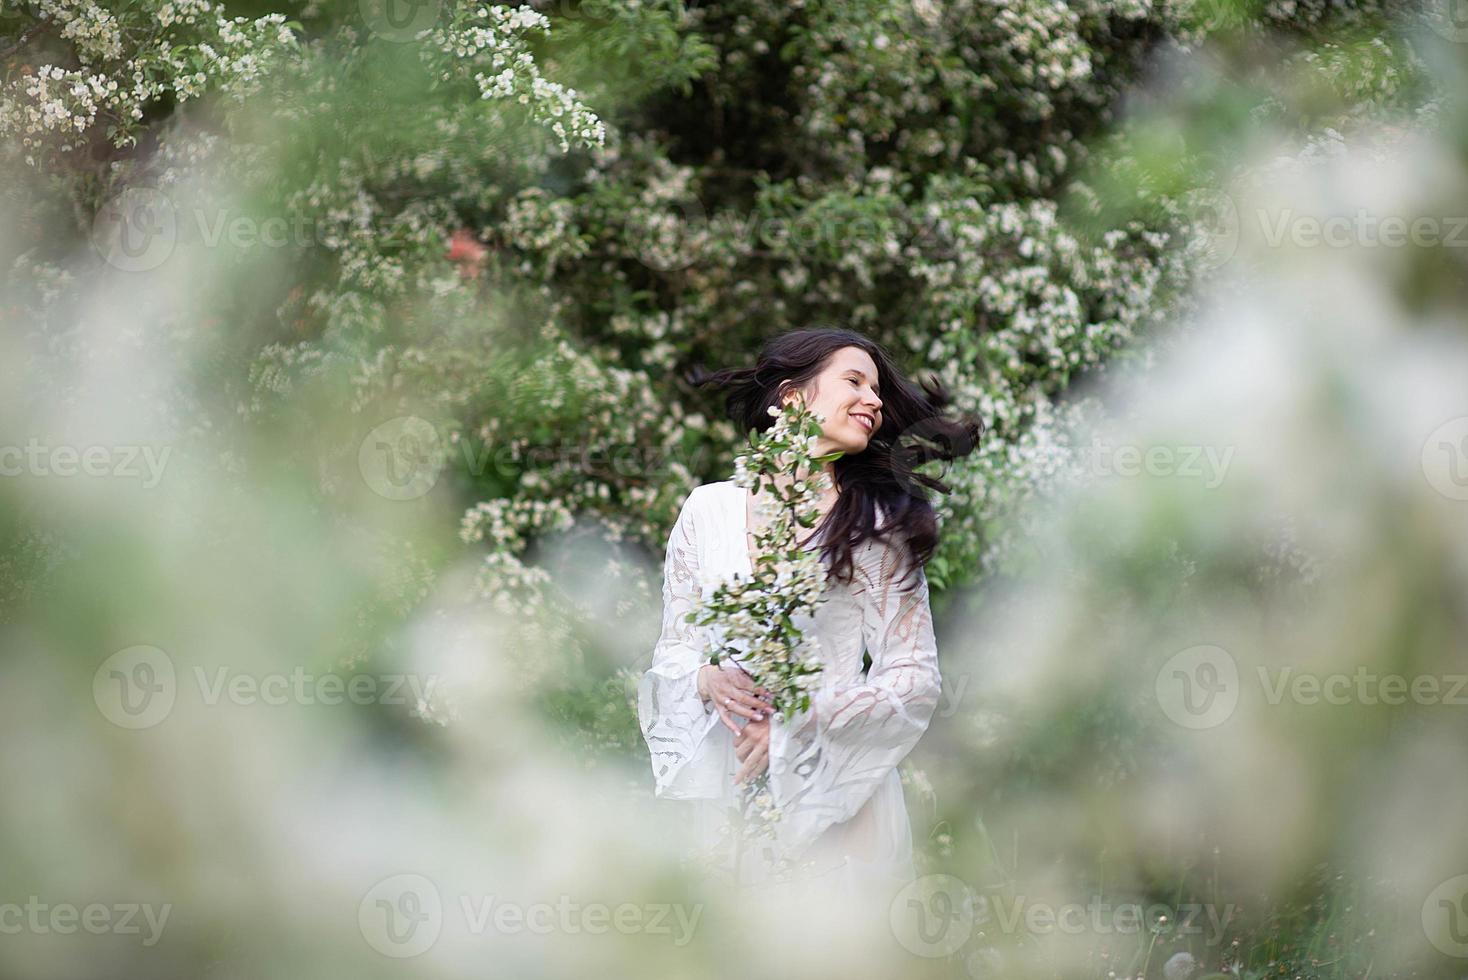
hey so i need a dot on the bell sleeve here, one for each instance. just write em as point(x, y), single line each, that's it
point(827, 761)
point(676, 723)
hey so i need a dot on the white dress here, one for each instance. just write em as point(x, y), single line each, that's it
point(833, 769)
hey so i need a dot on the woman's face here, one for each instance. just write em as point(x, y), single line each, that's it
point(846, 393)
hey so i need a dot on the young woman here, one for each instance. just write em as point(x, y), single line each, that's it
point(833, 768)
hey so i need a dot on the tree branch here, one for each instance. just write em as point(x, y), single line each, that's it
point(23, 40)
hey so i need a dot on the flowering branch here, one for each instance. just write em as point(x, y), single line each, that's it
point(755, 617)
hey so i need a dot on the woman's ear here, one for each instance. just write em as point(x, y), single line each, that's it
point(789, 395)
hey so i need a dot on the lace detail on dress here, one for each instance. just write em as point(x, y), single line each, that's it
point(674, 719)
point(829, 760)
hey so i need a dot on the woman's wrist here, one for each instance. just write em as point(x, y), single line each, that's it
point(700, 680)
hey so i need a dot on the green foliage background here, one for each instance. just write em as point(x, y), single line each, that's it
point(1001, 191)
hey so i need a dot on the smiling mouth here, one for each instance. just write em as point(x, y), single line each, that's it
point(864, 420)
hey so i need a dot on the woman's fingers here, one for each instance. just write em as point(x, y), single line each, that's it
point(751, 745)
point(754, 708)
point(736, 707)
point(754, 764)
point(745, 705)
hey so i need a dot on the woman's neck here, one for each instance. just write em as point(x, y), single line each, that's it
point(828, 499)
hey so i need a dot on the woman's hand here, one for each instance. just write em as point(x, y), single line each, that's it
point(732, 692)
point(752, 746)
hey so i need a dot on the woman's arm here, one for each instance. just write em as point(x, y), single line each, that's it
point(675, 720)
point(828, 761)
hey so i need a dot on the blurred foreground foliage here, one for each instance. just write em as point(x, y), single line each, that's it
point(482, 257)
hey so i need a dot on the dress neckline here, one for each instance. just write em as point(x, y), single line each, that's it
point(746, 508)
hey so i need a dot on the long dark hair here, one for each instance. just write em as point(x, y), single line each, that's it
point(882, 473)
